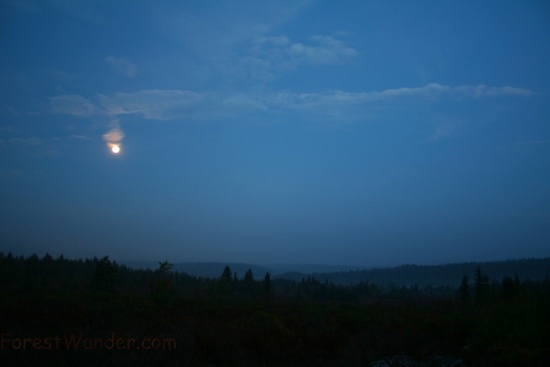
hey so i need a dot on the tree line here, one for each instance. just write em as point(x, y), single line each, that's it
point(258, 319)
point(21, 274)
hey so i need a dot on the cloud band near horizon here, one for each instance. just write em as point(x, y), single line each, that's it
point(156, 104)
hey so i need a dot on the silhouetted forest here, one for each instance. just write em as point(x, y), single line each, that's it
point(97, 312)
point(434, 275)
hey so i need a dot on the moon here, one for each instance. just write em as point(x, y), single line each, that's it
point(115, 149)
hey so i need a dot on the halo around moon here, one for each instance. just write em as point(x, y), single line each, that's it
point(113, 138)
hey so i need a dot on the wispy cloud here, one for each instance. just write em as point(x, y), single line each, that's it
point(218, 42)
point(270, 56)
point(327, 50)
point(79, 137)
point(484, 91)
point(122, 66)
point(444, 126)
point(157, 104)
point(242, 102)
point(26, 141)
point(431, 92)
point(240, 44)
point(35, 141)
point(71, 105)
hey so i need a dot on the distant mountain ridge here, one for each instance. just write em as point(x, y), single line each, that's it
point(434, 275)
point(404, 275)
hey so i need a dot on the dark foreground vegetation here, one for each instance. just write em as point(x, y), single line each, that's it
point(95, 312)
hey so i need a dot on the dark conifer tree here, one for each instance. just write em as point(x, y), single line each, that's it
point(227, 275)
point(249, 276)
point(464, 291)
point(225, 283)
point(267, 283)
point(162, 283)
point(104, 278)
point(481, 287)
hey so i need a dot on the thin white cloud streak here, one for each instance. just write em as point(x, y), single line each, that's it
point(25, 141)
point(79, 137)
point(341, 104)
point(154, 104)
point(271, 56)
point(71, 105)
point(430, 91)
point(185, 104)
point(279, 49)
point(445, 126)
point(241, 102)
point(328, 51)
point(34, 141)
point(122, 66)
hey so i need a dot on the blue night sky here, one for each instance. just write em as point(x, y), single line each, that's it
point(370, 133)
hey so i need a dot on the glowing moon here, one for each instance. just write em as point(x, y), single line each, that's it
point(115, 149)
